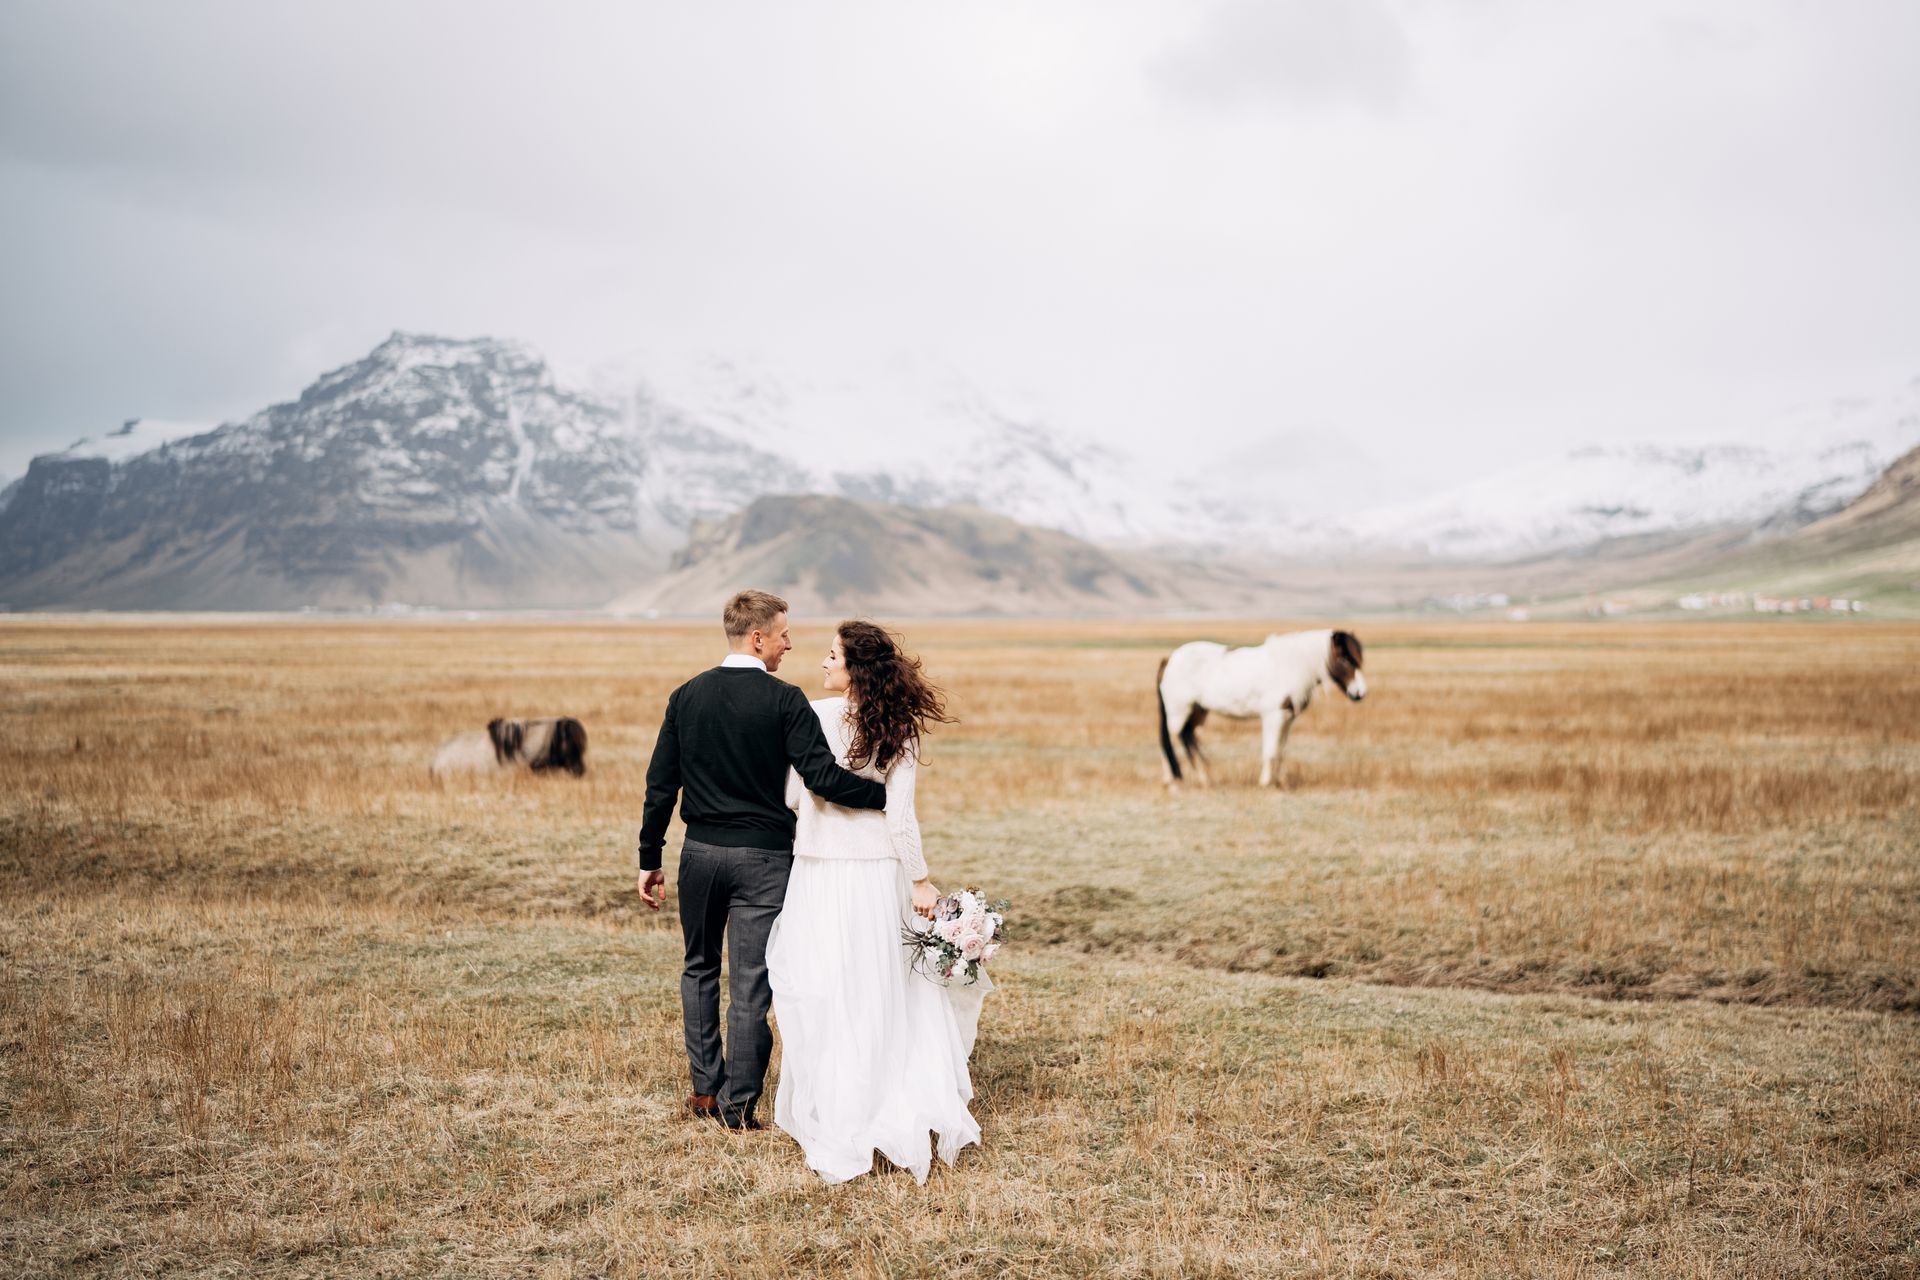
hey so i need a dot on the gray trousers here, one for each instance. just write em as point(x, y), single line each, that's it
point(735, 893)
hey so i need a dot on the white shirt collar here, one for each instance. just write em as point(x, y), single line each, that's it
point(742, 660)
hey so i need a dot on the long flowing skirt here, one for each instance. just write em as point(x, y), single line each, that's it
point(873, 1055)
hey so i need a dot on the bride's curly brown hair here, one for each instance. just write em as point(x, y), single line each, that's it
point(892, 703)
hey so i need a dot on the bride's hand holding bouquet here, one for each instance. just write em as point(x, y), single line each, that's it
point(961, 936)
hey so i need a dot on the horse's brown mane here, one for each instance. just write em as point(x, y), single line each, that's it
point(1343, 657)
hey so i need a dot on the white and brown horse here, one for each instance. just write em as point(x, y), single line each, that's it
point(1275, 681)
point(538, 744)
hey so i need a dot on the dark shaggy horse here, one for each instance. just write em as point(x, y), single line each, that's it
point(558, 742)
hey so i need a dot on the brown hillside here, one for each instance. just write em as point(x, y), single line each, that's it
point(828, 553)
point(1888, 511)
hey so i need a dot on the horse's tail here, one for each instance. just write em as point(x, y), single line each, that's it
point(1166, 737)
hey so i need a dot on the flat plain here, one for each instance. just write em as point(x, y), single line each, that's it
point(1574, 950)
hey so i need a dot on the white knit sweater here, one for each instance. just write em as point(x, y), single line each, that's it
point(830, 831)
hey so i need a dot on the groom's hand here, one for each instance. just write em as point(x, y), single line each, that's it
point(653, 888)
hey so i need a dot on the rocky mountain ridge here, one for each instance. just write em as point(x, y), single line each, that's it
point(462, 473)
point(453, 470)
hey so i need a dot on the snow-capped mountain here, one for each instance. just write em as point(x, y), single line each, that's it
point(432, 471)
point(1782, 476)
point(912, 432)
point(460, 472)
point(463, 473)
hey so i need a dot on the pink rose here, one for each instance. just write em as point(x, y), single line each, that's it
point(993, 949)
point(971, 945)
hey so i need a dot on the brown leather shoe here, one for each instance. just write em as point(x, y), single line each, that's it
point(703, 1105)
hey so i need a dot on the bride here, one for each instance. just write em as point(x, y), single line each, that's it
point(874, 1056)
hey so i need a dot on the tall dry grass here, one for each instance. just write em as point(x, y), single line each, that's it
point(274, 1002)
point(1722, 810)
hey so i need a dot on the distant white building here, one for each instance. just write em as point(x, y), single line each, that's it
point(1697, 601)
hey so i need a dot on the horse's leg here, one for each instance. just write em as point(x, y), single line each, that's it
point(1272, 726)
point(1280, 748)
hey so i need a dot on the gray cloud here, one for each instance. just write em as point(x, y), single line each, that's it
point(1302, 53)
point(1447, 230)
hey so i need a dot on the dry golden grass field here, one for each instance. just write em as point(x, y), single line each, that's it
point(1573, 951)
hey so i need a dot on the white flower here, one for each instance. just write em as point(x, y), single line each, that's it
point(992, 950)
point(971, 945)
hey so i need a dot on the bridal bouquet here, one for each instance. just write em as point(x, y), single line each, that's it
point(952, 947)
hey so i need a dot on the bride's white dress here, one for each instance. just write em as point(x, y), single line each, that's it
point(873, 1055)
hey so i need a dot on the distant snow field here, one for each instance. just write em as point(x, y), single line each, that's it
point(1791, 471)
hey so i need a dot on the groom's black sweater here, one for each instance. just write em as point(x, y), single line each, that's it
point(724, 747)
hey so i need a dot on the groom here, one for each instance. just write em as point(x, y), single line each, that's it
point(725, 744)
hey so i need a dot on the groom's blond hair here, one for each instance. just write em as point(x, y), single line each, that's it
point(752, 611)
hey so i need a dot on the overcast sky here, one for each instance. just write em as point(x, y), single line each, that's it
point(1352, 246)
